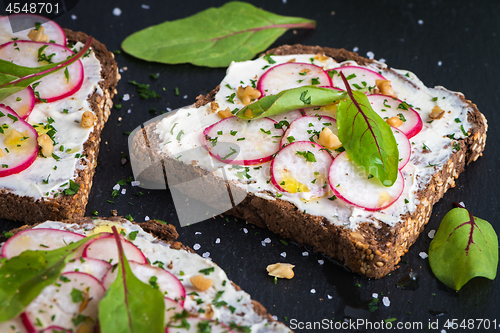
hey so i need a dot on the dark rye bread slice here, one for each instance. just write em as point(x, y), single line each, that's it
point(29, 210)
point(162, 231)
point(371, 250)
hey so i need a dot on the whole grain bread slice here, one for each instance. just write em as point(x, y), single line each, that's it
point(372, 250)
point(27, 209)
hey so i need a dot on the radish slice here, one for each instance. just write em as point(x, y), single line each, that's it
point(54, 306)
point(244, 142)
point(55, 329)
point(54, 86)
point(171, 309)
point(352, 184)
point(302, 167)
point(38, 239)
point(13, 326)
point(292, 75)
point(308, 129)
point(166, 282)
point(104, 248)
point(287, 117)
point(359, 78)
point(18, 143)
point(27, 22)
point(22, 102)
point(329, 110)
point(388, 107)
point(196, 325)
point(95, 267)
point(404, 147)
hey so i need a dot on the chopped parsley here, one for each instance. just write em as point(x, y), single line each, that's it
point(309, 156)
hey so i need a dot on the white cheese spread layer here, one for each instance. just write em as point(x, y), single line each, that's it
point(183, 131)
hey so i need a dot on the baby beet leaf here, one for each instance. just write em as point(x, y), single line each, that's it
point(366, 137)
point(464, 247)
point(23, 277)
point(236, 31)
point(130, 305)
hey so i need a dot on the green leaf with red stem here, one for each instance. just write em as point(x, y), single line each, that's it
point(14, 78)
point(366, 137)
point(130, 305)
point(464, 247)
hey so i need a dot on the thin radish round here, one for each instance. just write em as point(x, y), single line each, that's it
point(302, 167)
point(38, 239)
point(404, 147)
point(104, 248)
point(27, 22)
point(55, 329)
point(196, 325)
point(354, 185)
point(244, 142)
point(13, 326)
point(171, 309)
point(286, 117)
point(56, 305)
point(159, 278)
point(388, 107)
point(55, 86)
point(359, 78)
point(95, 267)
point(18, 143)
point(308, 129)
point(21, 102)
point(292, 75)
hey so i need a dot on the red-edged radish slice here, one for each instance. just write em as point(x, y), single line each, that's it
point(95, 267)
point(54, 86)
point(28, 21)
point(388, 107)
point(38, 239)
point(55, 305)
point(104, 248)
point(18, 143)
point(292, 75)
point(302, 167)
point(286, 117)
point(15, 325)
point(171, 309)
point(244, 142)
point(21, 102)
point(353, 184)
point(308, 129)
point(196, 325)
point(404, 147)
point(166, 282)
point(55, 329)
point(359, 78)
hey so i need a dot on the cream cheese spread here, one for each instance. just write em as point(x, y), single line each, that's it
point(183, 131)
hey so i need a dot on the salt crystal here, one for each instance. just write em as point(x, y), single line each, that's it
point(217, 241)
point(267, 240)
point(135, 183)
point(185, 96)
point(206, 255)
point(374, 295)
point(197, 233)
point(313, 291)
point(382, 60)
point(355, 49)
point(263, 243)
point(116, 187)
point(245, 230)
point(321, 262)
point(126, 97)
point(143, 6)
point(73, 17)
point(370, 55)
point(117, 11)
point(432, 233)
point(386, 301)
point(275, 317)
point(169, 109)
point(420, 22)
point(440, 63)
point(305, 254)
point(329, 297)
point(283, 254)
point(129, 111)
point(124, 190)
point(146, 218)
point(423, 255)
point(196, 247)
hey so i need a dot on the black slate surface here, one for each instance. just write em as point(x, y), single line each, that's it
point(450, 43)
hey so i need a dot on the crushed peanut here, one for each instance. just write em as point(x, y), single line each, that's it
point(281, 270)
point(436, 113)
point(328, 139)
point(46, 143)
point(385, 88)
point(321, 57)
point(214, 107)
point(38, 35)
point(225, 113)
point(201, 283)
point(87, 119)
point(247, 94)
point(394, 121)
point(291, 60)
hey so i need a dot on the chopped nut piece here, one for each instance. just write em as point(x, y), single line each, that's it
point(2, 154)
point(281, 270)
point(321, 57)
point(225, 113)
point(214, 107)
point(291, 60)
point(385, 88)
point(201, 283)
point(329, 140)
point(247, 94)
point(87, 119)
point(394, 121)
point(38, 35)
point(436, 113)
point(45, 142)
point(305, 71)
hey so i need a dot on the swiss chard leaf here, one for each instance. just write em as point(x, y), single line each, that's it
point(236, 31)
point(129, 304)
point(464, 247)
point(14, 78)
point(23, 277)
point(366, 137)
point(289, 100)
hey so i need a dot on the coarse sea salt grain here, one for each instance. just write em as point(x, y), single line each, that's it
point(143, 6)
point(305, 253)
point(135, 183)
point(206, 255)
point(196, 247)
point(431, 234)
point(386, 301)
point(245, 230)
point(146, 218)
point(275, 317)
point(116, 187)
point(185, 96)
point(321, 261)
point(283, 254)
point(124, 190)
point(355, 49)
point(267, 240)
point(313, 291)
point(440, 63)
point(370, 55)
point(126, 97)
point(129, 111)
point(423, 255)
point(73, 17)
point(117, 11)
point(374, 295)
point(217, 241)
point(197, 233)
point(420, 22)
point(329, 297)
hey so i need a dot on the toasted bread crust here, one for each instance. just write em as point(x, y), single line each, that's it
point(29, 210)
